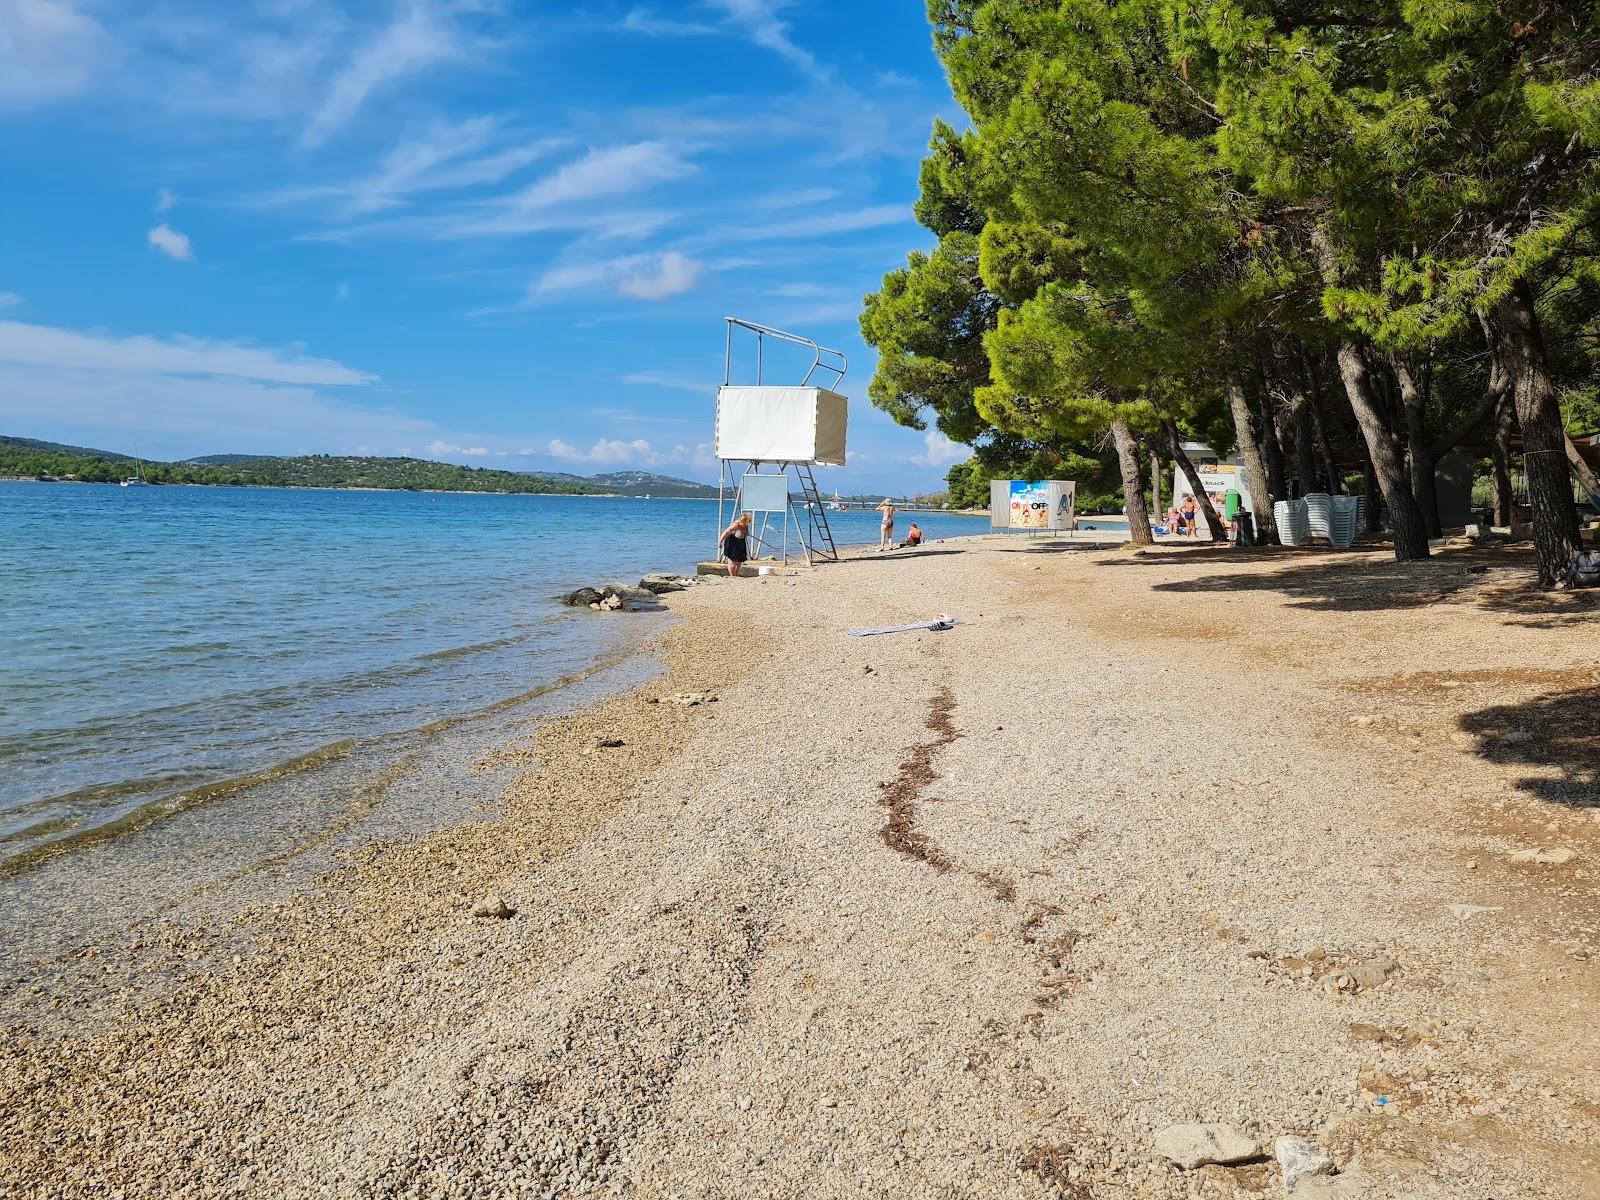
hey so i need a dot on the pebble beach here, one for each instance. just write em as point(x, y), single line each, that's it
point(1171, 873)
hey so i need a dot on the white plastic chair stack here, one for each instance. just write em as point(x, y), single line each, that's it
point(1348, 512)
point(1319, 514)
point(1294, 524)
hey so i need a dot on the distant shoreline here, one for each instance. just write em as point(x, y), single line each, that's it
point(311, 487)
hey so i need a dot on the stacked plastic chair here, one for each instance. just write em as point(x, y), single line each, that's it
point(1319, 514)
point(1294, 522)
point(1348, 515)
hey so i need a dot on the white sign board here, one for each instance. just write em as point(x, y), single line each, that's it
point(763, 493)
point(1218, 479)
point(781, 425)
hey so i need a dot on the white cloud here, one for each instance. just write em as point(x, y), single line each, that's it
point(205, 415)
point(563, 449)
point(170, 242)
point(613, 452)
point(416, 40)
point(443, 447)
point(941, 451)
point(45, 346)
point(640, 276)
point(758, 20)
point(671, 275)
point(643, 20)
point(608, 172)
point(165, 199)
point(48, 50)
point(9, 300)
point(849, 221)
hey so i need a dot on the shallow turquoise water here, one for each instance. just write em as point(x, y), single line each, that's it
point(157, 640)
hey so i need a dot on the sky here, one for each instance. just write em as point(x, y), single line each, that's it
point(494, 232)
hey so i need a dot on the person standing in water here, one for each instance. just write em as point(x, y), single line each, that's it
point(735, 548)
point(886, 535)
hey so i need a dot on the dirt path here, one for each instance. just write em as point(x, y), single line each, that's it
point(1152, 839)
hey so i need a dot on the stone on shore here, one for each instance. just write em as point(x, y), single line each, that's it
point(1300, 1160)
point(493, 906)
point(584, 596)
point(659, 583)
point(1192, 1146)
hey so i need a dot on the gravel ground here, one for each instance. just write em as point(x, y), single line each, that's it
point(1301, 844)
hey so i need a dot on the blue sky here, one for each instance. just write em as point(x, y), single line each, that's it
point(484, 231)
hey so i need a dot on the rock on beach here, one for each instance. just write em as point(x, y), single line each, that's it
point(1192, 1146)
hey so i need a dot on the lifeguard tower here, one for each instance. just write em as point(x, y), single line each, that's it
point(769, 437)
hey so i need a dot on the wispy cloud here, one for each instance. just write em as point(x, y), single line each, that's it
point(421, 36)
point(638, 276)
point(605, 172)
point(166, 198)
point(170, 242)
point(643, 20)
point(9, 300)
point(759, 21)
point(755, 21)
point(47, 346)
point(668, 379)
point(49, 50)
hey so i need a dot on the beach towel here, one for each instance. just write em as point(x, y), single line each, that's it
point(943, 621)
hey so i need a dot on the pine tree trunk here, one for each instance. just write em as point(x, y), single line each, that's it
point(1219, 532)
point(1132, 489)
point(1505, 424)
point(1305, 457)
point(1369, 489)
point(1159, 512)
point(1420, 464)
point(1544, 450)
point(1314, 382)
point(1255, 476)
point(1383, 448)
point(1275, 427)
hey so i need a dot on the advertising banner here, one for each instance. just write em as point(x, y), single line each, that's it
point(1032, 504)
point(1218, 479)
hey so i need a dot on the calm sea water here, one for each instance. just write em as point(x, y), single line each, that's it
point(162, 640)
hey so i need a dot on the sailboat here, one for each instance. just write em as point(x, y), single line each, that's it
point(138, 479)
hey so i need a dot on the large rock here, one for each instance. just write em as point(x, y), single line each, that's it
point(1192, 1146)
point(628, 593)
point(583, 597)
point(493, 906)
point(1300, 1160)
point(657, 584)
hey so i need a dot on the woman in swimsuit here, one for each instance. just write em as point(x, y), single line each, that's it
point(886, 535)
point(734, 548)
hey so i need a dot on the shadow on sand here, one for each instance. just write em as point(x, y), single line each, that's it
point(1565, 743)
point(1499, 579)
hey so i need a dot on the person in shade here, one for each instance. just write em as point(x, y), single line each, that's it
point(735, 544)
point(886, 534)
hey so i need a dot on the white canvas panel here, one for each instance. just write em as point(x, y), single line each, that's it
point(780, 424)
point(832, 416)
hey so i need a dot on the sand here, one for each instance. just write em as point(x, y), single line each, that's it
point(1154, 838)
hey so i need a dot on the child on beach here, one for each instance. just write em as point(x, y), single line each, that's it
point(735, 550)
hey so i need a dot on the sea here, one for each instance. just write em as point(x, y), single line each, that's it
point(165, 648)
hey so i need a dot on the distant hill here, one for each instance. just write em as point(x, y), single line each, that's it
point(636, 483)
point(28, 458)
point(25, 444)
point(230, 460)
